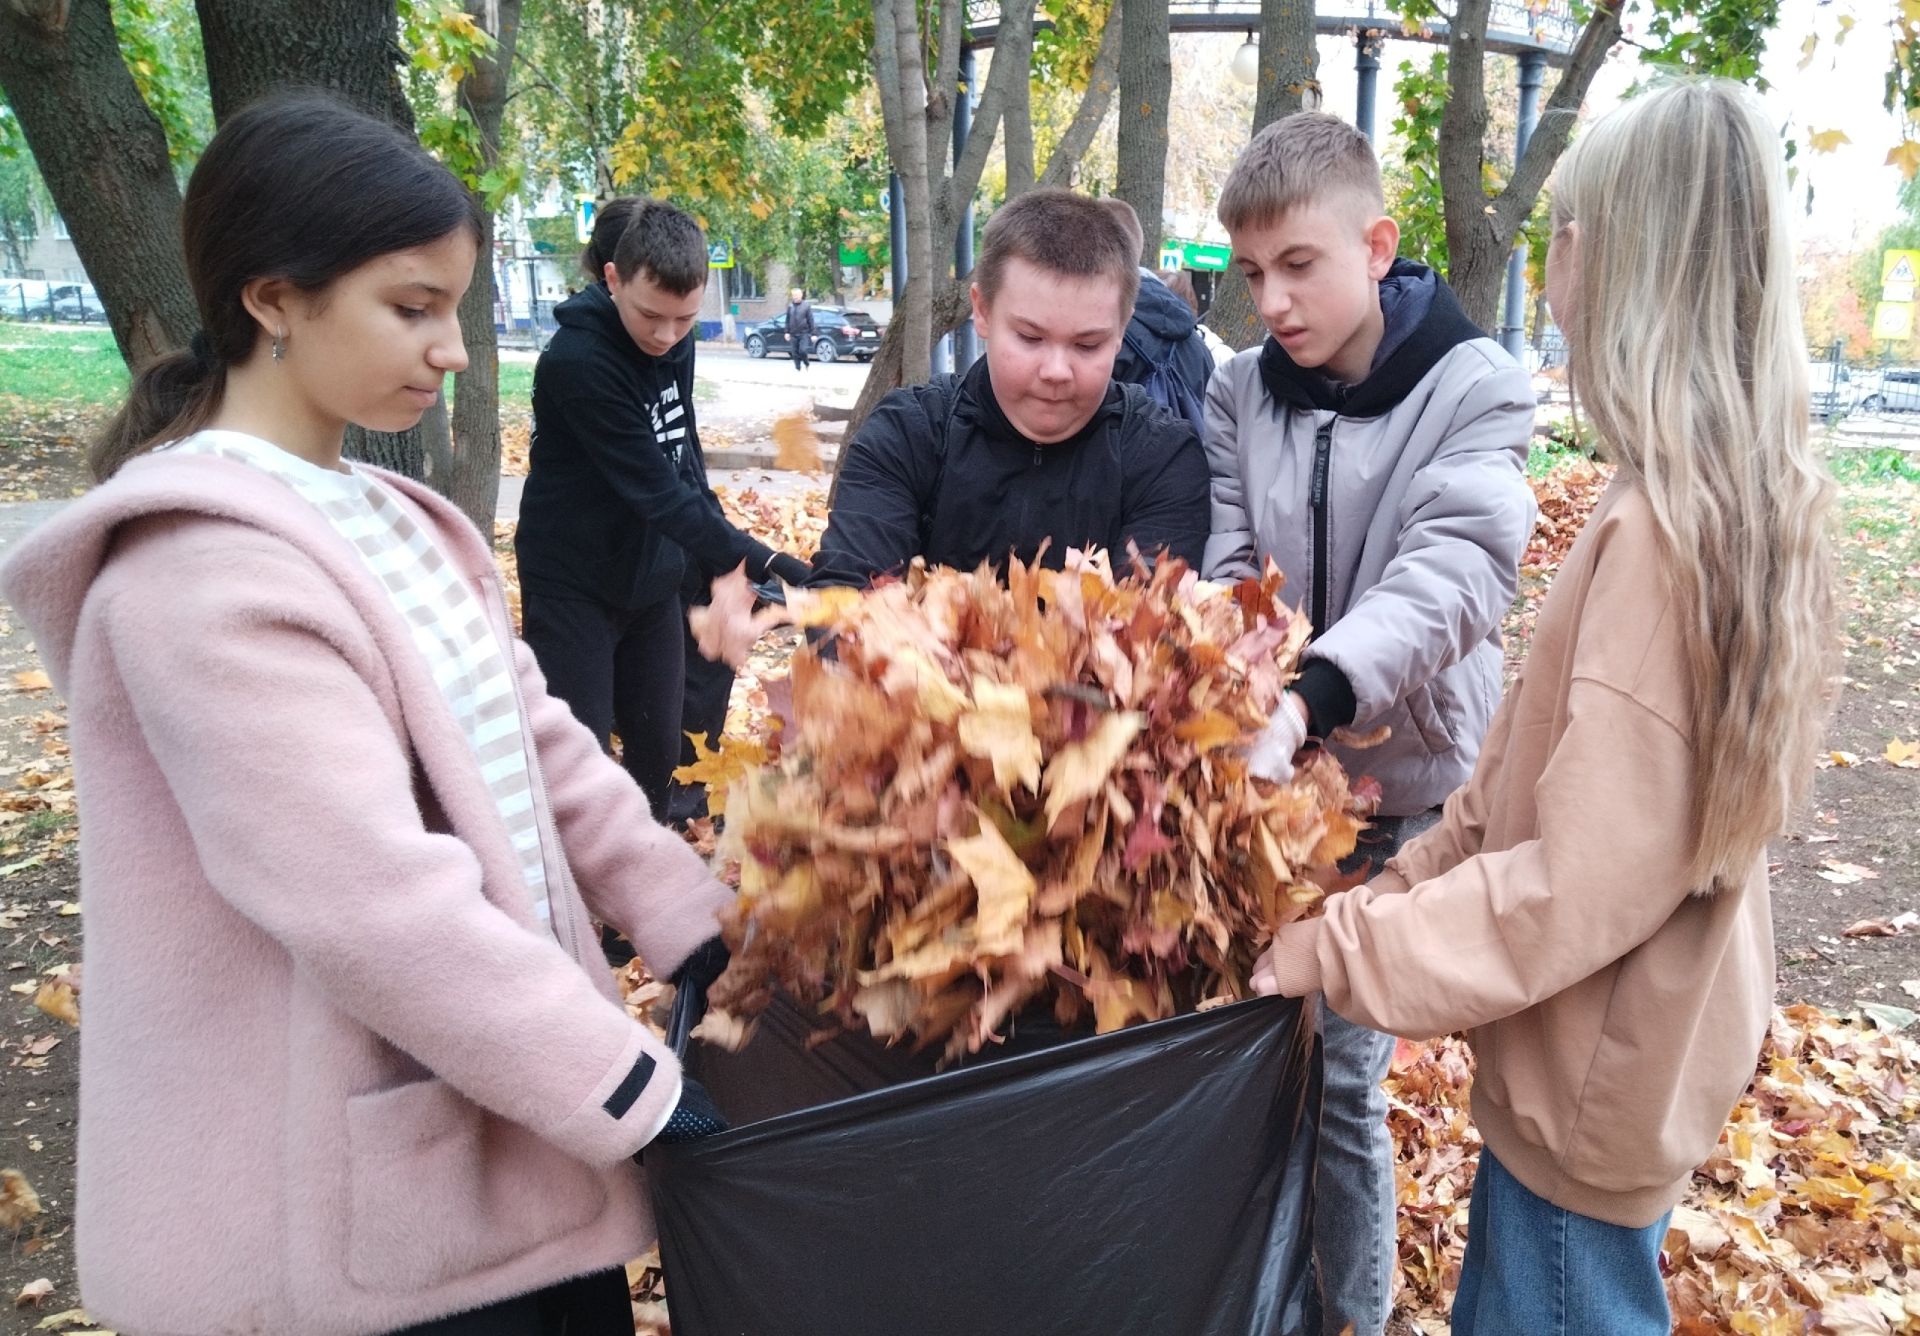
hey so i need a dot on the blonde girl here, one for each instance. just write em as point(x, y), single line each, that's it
point(1593, 907)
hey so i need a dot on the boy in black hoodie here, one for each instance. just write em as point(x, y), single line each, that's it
point(617, 504)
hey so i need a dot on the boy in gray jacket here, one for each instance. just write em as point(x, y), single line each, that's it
point(1374, 446)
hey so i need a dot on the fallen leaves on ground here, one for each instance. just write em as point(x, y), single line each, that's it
point(994, 794)
point(784, 523)
point(33, 1292)
point(1807, 1216)
point(1566, 496)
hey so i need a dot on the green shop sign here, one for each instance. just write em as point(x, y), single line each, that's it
point(1178, 254)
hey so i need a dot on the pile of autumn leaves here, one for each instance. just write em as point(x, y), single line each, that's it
point(987, 796)
point(1806, 1218)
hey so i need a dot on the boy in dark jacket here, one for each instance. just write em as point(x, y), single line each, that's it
point(1165, 329)
point(800, 329)
point(1374, 448)
point(1037, 445)
point(617, 503)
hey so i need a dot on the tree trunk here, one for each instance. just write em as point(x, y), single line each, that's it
point(1146, 86)
point(472, 480)
point(1289, 74)
point(103, 156)
point(349, 47)
point(1480, 230)
point(898, 68)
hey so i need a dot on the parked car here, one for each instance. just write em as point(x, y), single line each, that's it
point(37, 299)
point(837, 333)
point(1895, 390)
point(1830, 388)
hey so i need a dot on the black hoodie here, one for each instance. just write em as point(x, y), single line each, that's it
point(617, 500)
point(938, 471)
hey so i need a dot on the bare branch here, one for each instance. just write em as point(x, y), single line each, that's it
point(1016, 33)
point(1101, 84)
point(1556, 122)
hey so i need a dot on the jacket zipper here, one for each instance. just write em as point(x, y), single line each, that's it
point(1317, 500)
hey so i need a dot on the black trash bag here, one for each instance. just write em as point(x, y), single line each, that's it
point(1151, 1182)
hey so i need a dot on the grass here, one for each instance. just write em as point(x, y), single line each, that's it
point(69, 367)
point(82, 368)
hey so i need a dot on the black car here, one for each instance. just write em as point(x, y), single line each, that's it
point(837, 333)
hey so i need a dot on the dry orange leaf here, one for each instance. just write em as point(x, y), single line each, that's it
point(19, 1203)
point(32, 680)
point(56, 998)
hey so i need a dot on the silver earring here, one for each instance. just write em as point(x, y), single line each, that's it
point(279, 345)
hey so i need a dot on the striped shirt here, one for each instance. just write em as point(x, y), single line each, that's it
point(449, 625)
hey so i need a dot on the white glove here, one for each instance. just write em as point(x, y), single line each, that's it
point(1271, 755)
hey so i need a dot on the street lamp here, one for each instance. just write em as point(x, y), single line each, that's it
point(1246, 61)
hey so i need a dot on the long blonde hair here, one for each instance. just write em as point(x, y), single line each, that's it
point(1685, 345)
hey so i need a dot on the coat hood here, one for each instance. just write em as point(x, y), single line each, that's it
point(1158, 312)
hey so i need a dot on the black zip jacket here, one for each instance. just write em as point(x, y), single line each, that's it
point(939, 472)
point(617, 504)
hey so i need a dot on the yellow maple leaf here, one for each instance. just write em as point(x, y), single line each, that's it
point(999, 728)
point(718, 769)
point(1210, 729)
point(19, 1203)
point(1905, 156)
point(1003, 885)
point(57, 1000)
point(799, 447)
point(1081, 769)
point(34, 680)
point(1826, 141)
point(1906, 755)
point(1807, 49)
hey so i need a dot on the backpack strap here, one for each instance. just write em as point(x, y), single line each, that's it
point(942, 443)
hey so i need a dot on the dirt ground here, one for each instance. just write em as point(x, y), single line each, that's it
point(1855, 860)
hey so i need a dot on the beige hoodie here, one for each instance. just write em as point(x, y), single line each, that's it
point(1615, 1016)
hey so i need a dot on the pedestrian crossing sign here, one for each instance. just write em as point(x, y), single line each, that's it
point(1899, 275)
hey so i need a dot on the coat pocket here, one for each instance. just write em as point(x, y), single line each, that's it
point(441, 1188)
point(1432, 718)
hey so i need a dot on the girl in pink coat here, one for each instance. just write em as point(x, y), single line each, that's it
point(354, 1062)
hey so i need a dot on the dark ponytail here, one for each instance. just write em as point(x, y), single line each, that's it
point(610, 219)
point(297, 186)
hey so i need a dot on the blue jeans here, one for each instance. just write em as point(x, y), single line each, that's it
point(1355, 1234)
point(1355, 1231)
point(1536, 1269)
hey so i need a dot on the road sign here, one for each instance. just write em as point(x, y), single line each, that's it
point(583, 211)
point(720, 254)
point(1899, 275)
point(1208, 255)
point(1893, 321)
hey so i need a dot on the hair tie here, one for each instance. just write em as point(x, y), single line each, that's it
point(201, 347)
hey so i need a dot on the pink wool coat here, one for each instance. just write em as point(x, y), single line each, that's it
point(335, 1078)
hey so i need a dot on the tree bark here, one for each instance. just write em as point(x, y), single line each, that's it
point(103, 156)
point(472, 480)
point(1481, 230)
point(1289, 75)
point(348, 47)
point(1146, 86)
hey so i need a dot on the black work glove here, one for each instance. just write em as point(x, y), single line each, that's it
point(787, 567)
point(694, 1117)
point(707, 963)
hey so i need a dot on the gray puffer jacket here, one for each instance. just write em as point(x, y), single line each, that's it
point(1398, 509)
